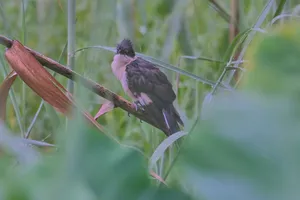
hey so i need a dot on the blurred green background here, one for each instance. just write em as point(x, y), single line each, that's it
point(226, 157)
point(164, 30)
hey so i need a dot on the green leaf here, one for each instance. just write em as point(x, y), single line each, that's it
point(157, 62)
point(163, 146)
point(237, 41)
point(250, 36)
point(279, 8)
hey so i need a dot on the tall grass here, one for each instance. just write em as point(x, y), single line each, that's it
point(190, 40)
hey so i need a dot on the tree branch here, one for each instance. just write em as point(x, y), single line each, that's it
point(89, 84)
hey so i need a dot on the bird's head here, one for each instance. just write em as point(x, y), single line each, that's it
point(125, 48)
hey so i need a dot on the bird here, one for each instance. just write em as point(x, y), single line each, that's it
point(147, 86)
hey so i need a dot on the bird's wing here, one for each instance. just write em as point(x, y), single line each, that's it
point(144, 77)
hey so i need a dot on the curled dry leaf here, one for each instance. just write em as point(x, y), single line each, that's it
point(37, 77)
point(106, 107)
point(4, 89)
point(42, 82)
point(89, 84)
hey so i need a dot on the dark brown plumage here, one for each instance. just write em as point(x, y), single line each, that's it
point(150, 87)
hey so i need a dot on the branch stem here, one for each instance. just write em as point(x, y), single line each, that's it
point(89, 84)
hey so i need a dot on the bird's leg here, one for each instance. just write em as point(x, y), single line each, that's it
point(128, 113)
point(138, 105)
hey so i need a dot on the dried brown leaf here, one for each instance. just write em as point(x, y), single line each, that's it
point(4, 89)
point(42, 82)
point(37, 77)
point(89, 84)
point(106, 107)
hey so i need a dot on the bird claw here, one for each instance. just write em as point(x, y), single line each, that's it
point(138, 106)
point(128, 114)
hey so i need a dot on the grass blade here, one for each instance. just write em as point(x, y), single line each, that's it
point(219, 10)
point(37, 143)
point(71, 40)
point(157, 62)
point(34, 119)
point(160, 150)
point(24, 40)
point(201, 58)
point(279, 8)
point(250, 36)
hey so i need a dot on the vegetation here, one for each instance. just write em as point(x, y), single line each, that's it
point(234, 66)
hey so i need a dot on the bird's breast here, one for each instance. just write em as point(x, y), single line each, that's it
point(118, 66)
point(124, 81)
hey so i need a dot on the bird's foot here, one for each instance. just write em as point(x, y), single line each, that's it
point(138, 106)
point(128, 113)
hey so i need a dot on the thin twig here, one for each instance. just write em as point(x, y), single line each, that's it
point(24, 41)
point(89, 84)
point(71, 40)
point(233, 27)
point(34, 120)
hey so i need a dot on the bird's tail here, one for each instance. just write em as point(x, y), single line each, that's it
point(172, 119)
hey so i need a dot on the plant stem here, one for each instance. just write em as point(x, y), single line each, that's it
point(71, 40)
point(98, 89)
point(23, 97)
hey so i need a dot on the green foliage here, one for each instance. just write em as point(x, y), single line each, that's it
point(87, 165)
point(245, 146)
point(247, 149)
point(283, 62)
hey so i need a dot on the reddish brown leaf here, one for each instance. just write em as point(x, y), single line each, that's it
point(89, 84)
point(106, 107)
point(42, 82)
point(37, 77)
point(4, 89)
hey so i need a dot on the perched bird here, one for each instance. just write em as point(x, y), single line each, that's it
point(147, 86)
